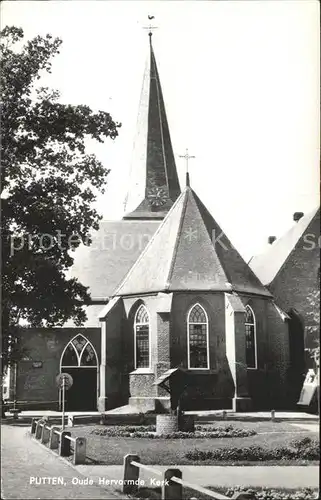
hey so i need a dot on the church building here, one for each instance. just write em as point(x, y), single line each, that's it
point(166, 293)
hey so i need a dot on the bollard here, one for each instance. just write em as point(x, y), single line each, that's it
point(70, 421)
point(79, 451)
point(45, 434)
point(172, 490)
point(33, 426)
point(131, 474)
point(272, 415)
point(54, 438)
point(64, 445)
point(38, 429)
point(224, 414)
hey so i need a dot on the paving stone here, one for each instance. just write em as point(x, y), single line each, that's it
point(23, 459)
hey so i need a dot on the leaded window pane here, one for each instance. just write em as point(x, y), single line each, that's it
point(142, 346)
point(88, 357)
point(198, 345)
point(197, 315)
point(142, 315)
point(79, 343)
point(249, 315)
point(70, 356)
point(250, 338)
point(142, 337)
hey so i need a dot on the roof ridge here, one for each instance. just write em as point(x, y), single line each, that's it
point(267, 264)
point(311, 214)
point(160, 118)
point(171, 267)
point(128, 275)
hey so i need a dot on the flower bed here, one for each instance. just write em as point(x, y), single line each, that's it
point(272, 494)
point(149, 431)
point(255, 493)
point(304, 449)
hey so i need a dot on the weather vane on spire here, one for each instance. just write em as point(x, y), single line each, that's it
point(187, 158)
point(150, 27)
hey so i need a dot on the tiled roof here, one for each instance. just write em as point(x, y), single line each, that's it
point(189, 251)
point(115, 248)
point(268, 264)
point(92, 313)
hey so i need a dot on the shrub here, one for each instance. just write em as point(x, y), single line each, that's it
point(122, 430)
point(308, 451)
point(272, 494)
point(148, 431)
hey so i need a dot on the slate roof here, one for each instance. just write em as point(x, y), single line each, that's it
point(115, 248)
point(268, 264)
point(183, 255)
point(154, 184)
point(92, 313)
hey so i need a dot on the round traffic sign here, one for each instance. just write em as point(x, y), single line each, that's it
point(64, 377)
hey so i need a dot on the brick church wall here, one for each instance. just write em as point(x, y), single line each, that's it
point(140, 383)
point(37, 386)
point(112, 371)
point(214, 386)
point(267, 383)
point(215, 383)
point(299, 277)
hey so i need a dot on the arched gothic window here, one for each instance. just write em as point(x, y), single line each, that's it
point(79, 352)
point(197, 341)
point(250, 333)
point(142, 338)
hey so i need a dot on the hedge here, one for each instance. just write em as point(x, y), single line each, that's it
point(304, 449)
point(149, 432)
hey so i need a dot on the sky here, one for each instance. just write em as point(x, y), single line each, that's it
point(241, 85)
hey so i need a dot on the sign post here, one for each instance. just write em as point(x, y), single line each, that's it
point(63, 404)
point(64, 382)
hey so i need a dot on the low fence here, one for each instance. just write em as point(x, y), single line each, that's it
point(171, 482)
point(15, 406)
point(60, 440)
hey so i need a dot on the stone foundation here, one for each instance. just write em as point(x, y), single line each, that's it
point(102, 404)
point(166, 424)
point(145, 404)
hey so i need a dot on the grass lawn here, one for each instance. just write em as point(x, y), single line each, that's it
point(111, 450)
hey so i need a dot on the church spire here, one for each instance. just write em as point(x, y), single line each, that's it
point(154, 184)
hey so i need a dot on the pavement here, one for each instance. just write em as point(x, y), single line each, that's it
point(210, 475)
point(26, 462)
point(312, 427)
point(128, 410)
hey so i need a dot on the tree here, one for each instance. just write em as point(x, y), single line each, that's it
point(48, 185)
point(313, 326)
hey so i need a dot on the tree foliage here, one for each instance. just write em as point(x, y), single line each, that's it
point(313, 326)
point(48, 185)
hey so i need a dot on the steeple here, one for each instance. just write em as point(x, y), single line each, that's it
point(154, 184)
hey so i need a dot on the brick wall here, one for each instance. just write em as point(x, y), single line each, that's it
point(267, 382)
point(217, 382)
point(46, 345)
point(298, 278)
point(113, 384)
